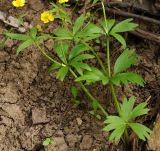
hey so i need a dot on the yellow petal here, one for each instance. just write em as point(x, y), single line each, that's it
point(50, 17)
point(18, 3)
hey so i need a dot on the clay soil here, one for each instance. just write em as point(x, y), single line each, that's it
point(34, 105)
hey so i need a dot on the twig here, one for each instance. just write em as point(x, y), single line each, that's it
point(147, 35)
point(127, 14)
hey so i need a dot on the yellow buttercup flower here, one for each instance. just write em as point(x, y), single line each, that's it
point(18, 3)
point(62, 1)
point(94, 149)
point(46, 17)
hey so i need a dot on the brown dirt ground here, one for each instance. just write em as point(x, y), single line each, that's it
point(34, 105)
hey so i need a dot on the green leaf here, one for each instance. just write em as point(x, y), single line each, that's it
point(120, 39)
point(33, 32)
point(117, 133)
point(95, 105)
point(18, 36)
point(89, 32)
point(113, 123)
point(124, 26)
point(83, 57)
point(127, 77)
point(63, 33)
point(62, 73)
point(116, 124)
point(126, 108)
point(140, 109)
point(93, 76)
point(108, 25)
point(24, 45)
point(74, 91)
point(95, 1)
point(61, 49)
point(77, 50)
point(125, 60)
point(78, 24)
point(79, 66)
point(142, 131)
point(53, 67)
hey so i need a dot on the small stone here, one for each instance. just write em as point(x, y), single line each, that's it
point(39, 116)
point(79, 121)
point(49, 44)
point(72, 139)
point(86, 142)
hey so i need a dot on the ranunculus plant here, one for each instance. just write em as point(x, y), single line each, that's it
point(74, 52)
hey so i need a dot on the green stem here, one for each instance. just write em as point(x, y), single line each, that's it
point(46, 55)
point(108, 57)
point(116, 102)
point(104, 11)
point(89, 94)
point(97, 57)
point(115, 98)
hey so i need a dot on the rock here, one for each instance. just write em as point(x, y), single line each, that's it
point(39, 116)
point(79, 121)
point(49, 44)
point(9, 94)
point(9, 43)
point(86, 142)
point(154, 141)
point(72, 139)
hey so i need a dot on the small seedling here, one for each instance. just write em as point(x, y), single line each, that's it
point(47, 141)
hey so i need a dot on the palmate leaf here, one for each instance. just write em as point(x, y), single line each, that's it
point(124, 26)
point(142, 131)
point(126, 78)
point(125, 60)
point(93, 76)
point(118, 124)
